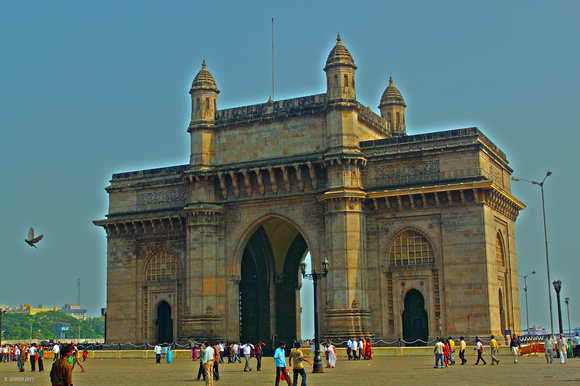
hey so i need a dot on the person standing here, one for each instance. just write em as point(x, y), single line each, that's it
point(280, 358)
point(451, 350)
point(32, 356)
point(354, 349)
point(157, 350)
point(494, 350)
point(562, 348)
point(55, 352)
point(22, 356)
point(549, 349)
point(61, 372)
point(85, 353)
point(361, 344)
point(247, 351)
point(216, 363)
point(438, 351)
point(514, 346)
point(221, 348)
point(208, 364)
point(577, 346)
point(479, 348)
point(40, 354)
point(462, 346)
point(296, 358)
point(259, 349)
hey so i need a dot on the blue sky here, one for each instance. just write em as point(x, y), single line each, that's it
point(91, 88)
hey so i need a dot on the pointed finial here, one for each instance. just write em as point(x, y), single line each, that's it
point(390, 79)
point(338, 38)
point(203, 65)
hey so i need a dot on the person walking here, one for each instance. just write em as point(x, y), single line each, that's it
point(201, 371)
point(462, 347)
point(479, 348)
point(296, 359)
point(349, 348)
point(549, 349)
point(280, 357)
point(577, 346)
point(494, 350)
point(331, 355)
point(439, 351)
point(55, 352)
point(247, 351)
point(258, 351)
point(514, 346)
point(562, 349)
point(451, 350)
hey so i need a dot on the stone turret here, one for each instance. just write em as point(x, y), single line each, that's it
point(393, 110)
point(204, 94)
point(340, 70)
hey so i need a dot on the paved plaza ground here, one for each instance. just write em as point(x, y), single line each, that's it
point(416, 370)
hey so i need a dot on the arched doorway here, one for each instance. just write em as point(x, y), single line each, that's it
point(164, 323)
point(502, 321)
point(415, 319)
point(270, 283)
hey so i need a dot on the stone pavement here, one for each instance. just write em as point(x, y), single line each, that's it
point(380, 371)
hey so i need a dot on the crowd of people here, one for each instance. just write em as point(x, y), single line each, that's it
point(562, 348)
point(64, 359)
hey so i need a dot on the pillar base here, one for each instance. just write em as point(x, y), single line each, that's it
point(344, 324)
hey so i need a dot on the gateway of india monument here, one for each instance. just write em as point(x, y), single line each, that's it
point(418, 229)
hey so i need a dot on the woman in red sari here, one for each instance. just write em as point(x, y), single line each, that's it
point(368, 353)
point(446, 351)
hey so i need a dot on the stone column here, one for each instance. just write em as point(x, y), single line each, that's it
point(205, 273)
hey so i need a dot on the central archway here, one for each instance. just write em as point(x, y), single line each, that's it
point(270, 284)
point(415, 319)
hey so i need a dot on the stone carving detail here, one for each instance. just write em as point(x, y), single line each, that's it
point(162, 197)
point(407, 170)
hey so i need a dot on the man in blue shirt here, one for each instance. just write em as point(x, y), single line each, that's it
point(280, 357)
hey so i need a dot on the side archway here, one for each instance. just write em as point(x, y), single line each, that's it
point(415, 321)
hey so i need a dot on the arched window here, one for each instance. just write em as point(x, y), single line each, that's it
point(411, 248)
point(499, 252)
point(162, 266)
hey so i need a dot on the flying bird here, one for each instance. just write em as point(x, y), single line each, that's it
point(31, 240)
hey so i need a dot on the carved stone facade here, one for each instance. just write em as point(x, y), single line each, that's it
point(419, 229)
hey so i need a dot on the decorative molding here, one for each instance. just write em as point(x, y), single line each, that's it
point(177, 196)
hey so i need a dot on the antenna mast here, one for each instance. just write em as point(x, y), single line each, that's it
point(79, 289)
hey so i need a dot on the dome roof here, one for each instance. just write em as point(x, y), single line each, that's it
point(339, 56)
point(204, 80)
point(392, 96)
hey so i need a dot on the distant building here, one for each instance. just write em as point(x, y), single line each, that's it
point(73, 310)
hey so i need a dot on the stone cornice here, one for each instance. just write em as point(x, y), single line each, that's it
point(125, 225)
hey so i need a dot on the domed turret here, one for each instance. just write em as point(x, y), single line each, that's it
point(340, 70)
point(393, 109)
point(203, 96)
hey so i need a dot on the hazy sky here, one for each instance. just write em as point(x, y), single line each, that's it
point(91, 88)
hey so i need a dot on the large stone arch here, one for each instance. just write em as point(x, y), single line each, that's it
point(271, 252)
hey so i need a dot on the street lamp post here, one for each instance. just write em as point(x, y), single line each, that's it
point(558, 287)
point(567, 300)
point(526, 291)
point(314, 276)
point(541, 185)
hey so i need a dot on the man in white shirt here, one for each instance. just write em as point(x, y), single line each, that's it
point(157, 351)
point(55, 351)
point(348, 348)
point(208, 364)
point(354, 349)
point(32, 356)
point(221, 348)
point(247, 350)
